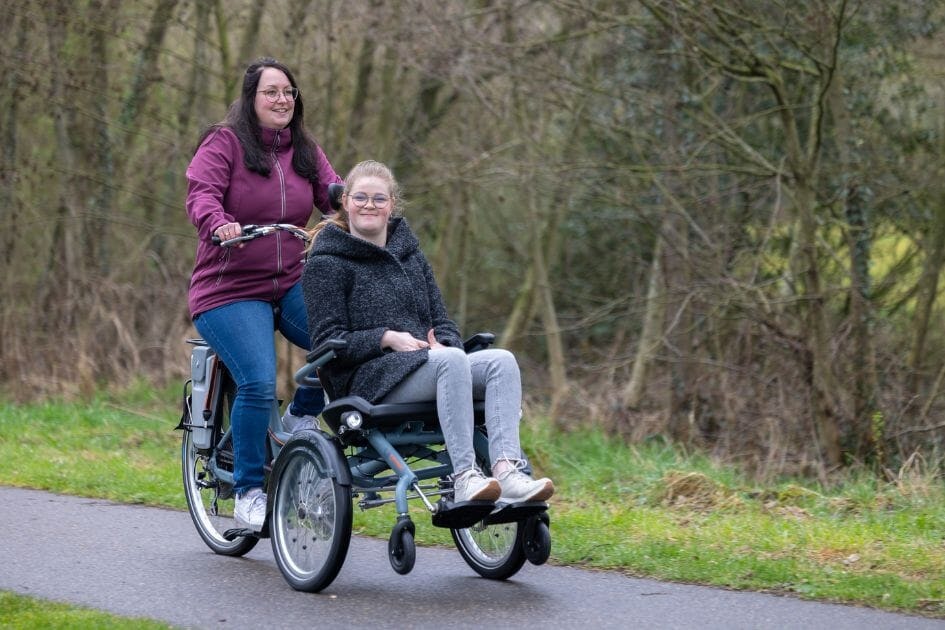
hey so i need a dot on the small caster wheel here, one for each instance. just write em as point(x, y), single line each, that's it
point(401, 548)
point(537, 540)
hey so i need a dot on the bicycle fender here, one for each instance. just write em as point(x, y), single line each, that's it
point(328, 448)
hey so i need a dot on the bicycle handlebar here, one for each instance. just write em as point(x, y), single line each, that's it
point(252, 231)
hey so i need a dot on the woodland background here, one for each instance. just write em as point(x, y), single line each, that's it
point(719, 223)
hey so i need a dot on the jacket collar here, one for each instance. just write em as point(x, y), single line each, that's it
point(275, 139)
point(401, 242)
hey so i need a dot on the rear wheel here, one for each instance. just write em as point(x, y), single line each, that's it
point(210, 500)
point(310, 523)
point(493, 551)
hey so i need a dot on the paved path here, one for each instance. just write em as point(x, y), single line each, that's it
point(138, 561)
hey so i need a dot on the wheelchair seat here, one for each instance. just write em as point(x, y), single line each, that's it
point(348, 413)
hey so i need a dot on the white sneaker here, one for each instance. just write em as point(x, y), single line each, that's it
point(472, 485)
point(250, 509)
point(296, 423)
point(517, 487)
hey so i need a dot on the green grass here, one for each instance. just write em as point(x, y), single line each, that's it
point(644, 510)
point(25, 613)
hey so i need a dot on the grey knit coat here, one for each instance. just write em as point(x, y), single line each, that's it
point(355, 290)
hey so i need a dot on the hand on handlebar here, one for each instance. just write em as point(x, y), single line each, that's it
point(235, 234)
point(227, 232)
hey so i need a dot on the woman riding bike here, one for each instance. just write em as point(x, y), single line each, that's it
point(259, 165)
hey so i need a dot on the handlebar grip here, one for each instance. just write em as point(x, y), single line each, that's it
point(215, 239)
point(334, 195)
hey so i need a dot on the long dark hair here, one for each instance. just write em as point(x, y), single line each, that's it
point(244, 122)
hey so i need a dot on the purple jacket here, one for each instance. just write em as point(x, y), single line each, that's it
point(220, 190)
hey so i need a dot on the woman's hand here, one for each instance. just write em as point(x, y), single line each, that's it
point(229, 230)
point(401, 341)
point(431, 339)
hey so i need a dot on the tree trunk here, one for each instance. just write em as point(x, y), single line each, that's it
point(364, 75)
point(96, 149)
point(822, 404)
point(12, 95)
point(64, 260)
point(197, 84)
point(230, 84)
point(521, 311)
point(651, 335)
point(250, 37)
point(549, 316)
point(433, 100)
point(868, 443)
point(862, 440)
point(926, 296)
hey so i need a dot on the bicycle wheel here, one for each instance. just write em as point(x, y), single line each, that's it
point(210, 500)
point(310, 523)
point(494, 551)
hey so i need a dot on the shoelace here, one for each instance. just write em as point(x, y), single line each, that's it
point(465, 476)
point(517, 466)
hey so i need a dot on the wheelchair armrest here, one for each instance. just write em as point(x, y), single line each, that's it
point(479, 341)
point(325, 351)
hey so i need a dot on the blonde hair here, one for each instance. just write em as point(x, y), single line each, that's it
point(367, 168)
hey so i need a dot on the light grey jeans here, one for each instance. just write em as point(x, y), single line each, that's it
point(454, 379)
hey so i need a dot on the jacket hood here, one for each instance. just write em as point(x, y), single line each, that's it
point(401, 242)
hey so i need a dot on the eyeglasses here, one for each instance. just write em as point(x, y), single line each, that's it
point(272, 94)
point(360, 199)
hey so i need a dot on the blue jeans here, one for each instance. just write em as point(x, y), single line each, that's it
point(454, 379)
point(241, 333)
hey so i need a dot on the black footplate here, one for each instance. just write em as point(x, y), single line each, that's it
point(513, 512)
point(461, 515)
point(237, 532)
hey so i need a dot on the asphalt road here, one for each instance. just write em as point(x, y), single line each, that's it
point(149, 562)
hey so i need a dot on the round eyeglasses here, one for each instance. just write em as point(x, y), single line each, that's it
point(360, 199)
point(272, 94)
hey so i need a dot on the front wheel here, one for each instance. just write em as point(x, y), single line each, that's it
point(311, 517)
point(210, 500)
point(401, 548)
point(537, 540)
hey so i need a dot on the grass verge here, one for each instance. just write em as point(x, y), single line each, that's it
point(644, 510)
point(26, 613)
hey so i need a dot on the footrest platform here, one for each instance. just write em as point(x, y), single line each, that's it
point(514, 512)
point(461, 515)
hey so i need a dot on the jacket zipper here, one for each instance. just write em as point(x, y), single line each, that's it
point(282, 204)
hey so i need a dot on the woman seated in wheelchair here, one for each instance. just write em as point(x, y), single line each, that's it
point(366, 281)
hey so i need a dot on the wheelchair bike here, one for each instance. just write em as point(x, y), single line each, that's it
point(372, 455)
